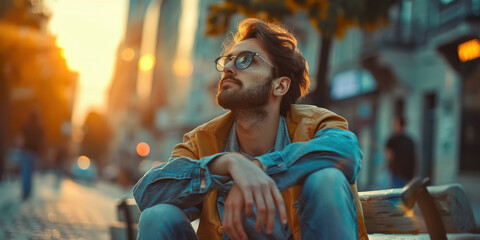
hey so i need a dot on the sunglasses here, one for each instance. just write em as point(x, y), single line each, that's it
point(242, 61)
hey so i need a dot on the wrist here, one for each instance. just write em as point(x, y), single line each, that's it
point(232, 160)
point(258, 163)
point(220, 165)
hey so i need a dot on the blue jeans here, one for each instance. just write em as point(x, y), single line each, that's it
point(165, 221)
point(27, 168)
point(326, 207)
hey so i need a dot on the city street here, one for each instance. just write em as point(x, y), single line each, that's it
point(62, 209)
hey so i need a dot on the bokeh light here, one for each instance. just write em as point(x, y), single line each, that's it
point(128, 54)
point(146, 62)
point(143, 149)
point(469, 50)
point(83, 162)
point(182, 67)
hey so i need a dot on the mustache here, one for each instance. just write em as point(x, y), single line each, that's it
point(236, 80)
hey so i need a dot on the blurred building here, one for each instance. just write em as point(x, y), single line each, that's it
point(34, 75)
point(143, 97)
point(412, 67)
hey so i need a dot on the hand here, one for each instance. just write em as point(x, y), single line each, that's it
point(256, 187)
point(232, 218)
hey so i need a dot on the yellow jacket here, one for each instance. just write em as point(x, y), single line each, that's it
point(303, 122)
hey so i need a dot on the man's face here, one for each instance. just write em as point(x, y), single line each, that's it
point(249, 88)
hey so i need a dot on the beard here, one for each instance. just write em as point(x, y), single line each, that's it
point(249, 99)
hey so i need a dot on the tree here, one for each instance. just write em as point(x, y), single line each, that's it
point(331, 18)
point(33, 72)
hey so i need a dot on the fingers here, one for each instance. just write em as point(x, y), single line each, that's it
point(237, 222)
point(270, 211)
point(232, 219)
point(228, 223)
point(261, 209)
point(280, 204)
point(266, 198)
point(247, 195)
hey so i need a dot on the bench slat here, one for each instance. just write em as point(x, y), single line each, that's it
point(384, 212)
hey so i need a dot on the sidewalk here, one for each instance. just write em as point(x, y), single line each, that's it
point(58, 210)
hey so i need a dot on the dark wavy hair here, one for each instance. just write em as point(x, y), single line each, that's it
point(281, 46)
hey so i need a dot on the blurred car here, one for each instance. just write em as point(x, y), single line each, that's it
point(84, 169)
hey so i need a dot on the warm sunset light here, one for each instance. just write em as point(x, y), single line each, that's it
point(143, 149)
point(182, 67)
point(89, 33)
point(128, 54)
point(83, 162)
point(146, 62)
point(469, 50)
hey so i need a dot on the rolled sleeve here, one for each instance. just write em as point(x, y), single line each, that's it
point(337, 146)
point(182, 182)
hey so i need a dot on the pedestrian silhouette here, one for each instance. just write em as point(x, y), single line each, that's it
point(33, 141)
point(400, 154)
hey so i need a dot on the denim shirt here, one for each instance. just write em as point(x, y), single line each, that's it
point(280, 231)
point(185, 182)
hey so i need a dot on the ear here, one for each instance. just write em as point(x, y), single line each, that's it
point(281, 86)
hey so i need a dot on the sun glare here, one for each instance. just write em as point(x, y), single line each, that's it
point(89, 32)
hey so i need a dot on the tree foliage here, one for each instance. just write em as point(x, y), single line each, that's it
point(331, 18)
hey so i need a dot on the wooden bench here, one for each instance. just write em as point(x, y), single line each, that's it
point(387, 216)
point(386, 212)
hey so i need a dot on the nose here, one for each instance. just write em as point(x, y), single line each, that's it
point(229, 68)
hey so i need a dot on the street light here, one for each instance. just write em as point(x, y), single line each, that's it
point(469, 50)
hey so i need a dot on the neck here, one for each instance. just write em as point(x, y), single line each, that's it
point(256, 130)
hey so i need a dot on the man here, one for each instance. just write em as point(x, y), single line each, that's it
point(269, 168)
point(33, 148)
point(400, 154)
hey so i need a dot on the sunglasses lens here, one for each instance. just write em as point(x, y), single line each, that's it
point(243, 60)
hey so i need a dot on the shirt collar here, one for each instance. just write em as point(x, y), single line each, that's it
point(281, 141)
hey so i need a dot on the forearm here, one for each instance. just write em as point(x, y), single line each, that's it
point(182, 182)
point(330, 148)
point(222, 165)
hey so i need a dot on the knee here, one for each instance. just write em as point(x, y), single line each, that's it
point(328, 183)
point(326, 177)
point(161, 215)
